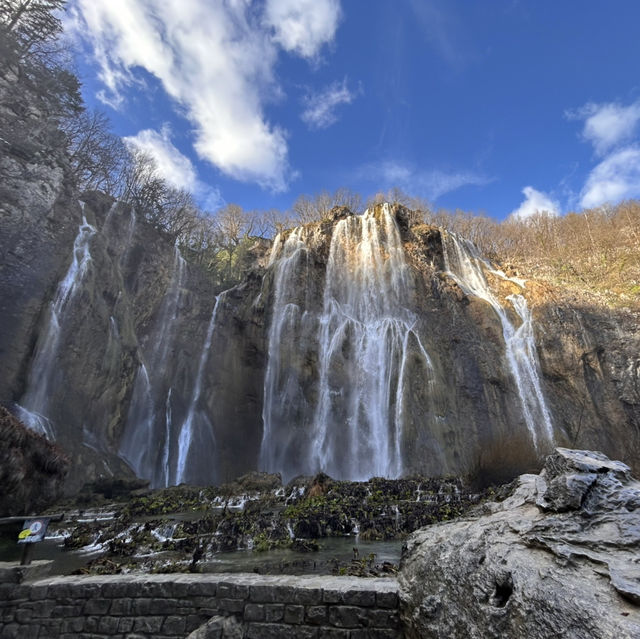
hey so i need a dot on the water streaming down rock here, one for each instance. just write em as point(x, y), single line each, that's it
point(292, 333)
point(364, 340)
point(146, 425)
point(197, 429)
point(33, 407)
point(360, 338)
point(465, 265)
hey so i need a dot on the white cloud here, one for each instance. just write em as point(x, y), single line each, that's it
point(430, 183)
point(302, 26)
point(616, 178)
point(320, 108)
point(216, 61)
point(607, 125)
point(535, 202)
point(176, 168)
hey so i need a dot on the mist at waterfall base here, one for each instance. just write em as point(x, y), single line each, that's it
point(358, 340)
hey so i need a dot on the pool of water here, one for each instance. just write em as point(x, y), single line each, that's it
point(333, 553)
point(64, 561)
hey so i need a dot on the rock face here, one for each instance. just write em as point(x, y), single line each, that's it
point(590, 358)
point(32, 470)
point(559, 557)
point(364, 347)
point(103, 342)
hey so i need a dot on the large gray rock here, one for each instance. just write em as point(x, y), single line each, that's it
point(560, 557)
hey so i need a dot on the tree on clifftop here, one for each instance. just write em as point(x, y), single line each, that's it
point(28, 27)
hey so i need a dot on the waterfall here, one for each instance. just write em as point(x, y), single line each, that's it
point(361, 338)
point(465, 265)
point(197, 426)
point(365, 330)
point(145, 425)
point(33, 408)
point(292, 328)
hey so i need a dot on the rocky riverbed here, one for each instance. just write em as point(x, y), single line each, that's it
point(255, 524)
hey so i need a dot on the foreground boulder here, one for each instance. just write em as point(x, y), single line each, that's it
point(560, 557)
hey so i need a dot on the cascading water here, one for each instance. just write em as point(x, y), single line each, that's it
point(33, 408)
point(197, 427)
point(465, 265)
point(362, 337)
point(292, 329)
point(145, 425)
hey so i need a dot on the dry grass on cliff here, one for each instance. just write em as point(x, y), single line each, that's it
point(595, 253)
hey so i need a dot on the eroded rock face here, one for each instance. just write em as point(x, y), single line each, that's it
point(560, 557)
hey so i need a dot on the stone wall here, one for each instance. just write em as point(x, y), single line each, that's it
point(172, 606)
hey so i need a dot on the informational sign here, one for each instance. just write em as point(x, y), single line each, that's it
point(33, 530)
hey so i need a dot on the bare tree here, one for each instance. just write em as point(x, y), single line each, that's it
point(97, 156)
point(235, 225)
point(32, 25)
point(169, 209)
point(313, 208)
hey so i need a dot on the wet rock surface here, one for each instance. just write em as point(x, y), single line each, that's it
point(560, 556)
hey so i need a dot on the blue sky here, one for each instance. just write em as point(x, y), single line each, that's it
point(496, 107)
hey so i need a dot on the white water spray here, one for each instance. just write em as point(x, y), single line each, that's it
point(291, 330)
point(144, 426)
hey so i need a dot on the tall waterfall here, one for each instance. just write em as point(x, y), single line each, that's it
point(293, 329)
point(197, 427)
point(465, 265)
point(361, 337)
point(34, 404)
point(145, 425)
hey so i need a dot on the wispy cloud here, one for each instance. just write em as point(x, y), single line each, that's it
point(441, 29)
point(431, 184)
point(616, 178)
point(320, 108)
point(172, 165)
point(216, 60)
point(535, 202)
point(607, 125)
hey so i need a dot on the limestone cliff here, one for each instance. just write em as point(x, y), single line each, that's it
point(365, 346)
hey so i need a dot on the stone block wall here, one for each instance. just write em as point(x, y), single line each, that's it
point(173, 606)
